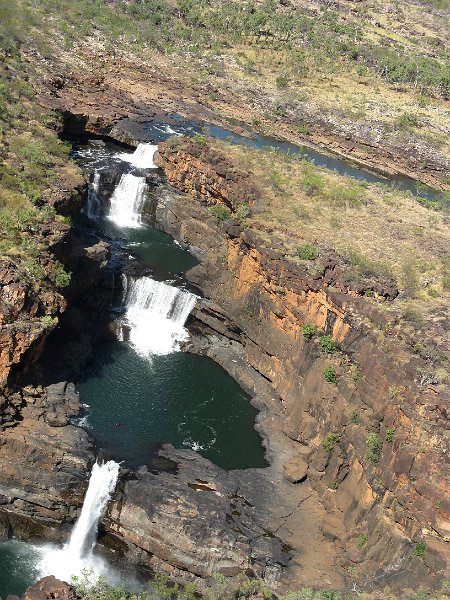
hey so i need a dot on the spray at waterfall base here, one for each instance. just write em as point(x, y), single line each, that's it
point(77, 554)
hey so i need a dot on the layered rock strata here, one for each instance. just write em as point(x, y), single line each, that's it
point(380, 503)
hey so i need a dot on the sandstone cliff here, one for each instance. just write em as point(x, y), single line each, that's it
point(384, 501)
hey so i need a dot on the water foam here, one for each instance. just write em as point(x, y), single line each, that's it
point(142, 157)
point(155, 316)
point(128, 200)
point(92, 207)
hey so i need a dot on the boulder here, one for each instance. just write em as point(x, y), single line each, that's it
point(295, 470)
point(50, 588)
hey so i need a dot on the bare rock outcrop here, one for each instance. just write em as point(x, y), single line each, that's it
point(45, 463)
point(48, 588)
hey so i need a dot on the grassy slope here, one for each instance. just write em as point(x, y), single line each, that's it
point(305, 202)
point(375, 62)
point(32, 163)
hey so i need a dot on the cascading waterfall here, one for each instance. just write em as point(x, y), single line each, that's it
point(142, 157)
point(92, 206)
point(128, 200)
point(77, 554)
point(155, 316)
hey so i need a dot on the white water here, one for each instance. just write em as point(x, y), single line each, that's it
point(77, 554)
point(92, 206)
point(128, 200)
point(155, 316)
point(142, 157)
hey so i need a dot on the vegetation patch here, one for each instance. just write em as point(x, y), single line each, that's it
point(331, 441)
point(307, 252)
point(308, 331)
point(220, 213)
point(330, 374)
point(374, 448)
point(327, 344)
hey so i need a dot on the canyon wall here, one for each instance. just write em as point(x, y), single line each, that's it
point(382, 502)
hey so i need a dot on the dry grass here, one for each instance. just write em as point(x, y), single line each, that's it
point(304, 203)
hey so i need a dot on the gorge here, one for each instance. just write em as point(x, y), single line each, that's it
point(277, 401)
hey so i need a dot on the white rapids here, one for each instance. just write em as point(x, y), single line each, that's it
point(77, 553)
point(155, 316)
point(142, 157)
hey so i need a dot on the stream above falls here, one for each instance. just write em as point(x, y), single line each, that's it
point(157, 131)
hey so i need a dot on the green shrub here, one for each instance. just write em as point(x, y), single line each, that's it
point(346, 194)
point(355, 372)
point(199, 139)
point(407, 119)
point(47, 321)
point(312, 183)
point(61, 277)
point(220, 212)
point(308, 331)
point(374, 447)
point(327, 344)
point(354, 418)
point(363, 266)
point(331, 441)
point(362, 540)
point(394, 392)
point(307, 252)
point(242, 212)
point(390, 434)
point(282, 81)
point(330, 374)
point(419, 549)
point(413, 315)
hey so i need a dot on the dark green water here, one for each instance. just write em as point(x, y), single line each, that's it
point(136, 404)
point(187, 400)
point(17, 567)
point(150, 246)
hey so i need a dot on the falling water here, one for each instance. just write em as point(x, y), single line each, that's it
point(128, 200)
point(77, 553)
point(142, 157)
point(155, 316)
point(92, 206)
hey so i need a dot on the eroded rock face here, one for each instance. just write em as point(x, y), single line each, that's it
point(392, 499)
point(45, 464)
point(203, 520)
point(20, 312)
point(29, 312)
point(205, 174)
point(44, 460)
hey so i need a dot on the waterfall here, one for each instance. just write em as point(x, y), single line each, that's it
point(128, 200)
point(92, 206)
point(77, 554)
point(155, 316)
point(142, 157)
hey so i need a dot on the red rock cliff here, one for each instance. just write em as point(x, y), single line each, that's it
point(374, 439)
